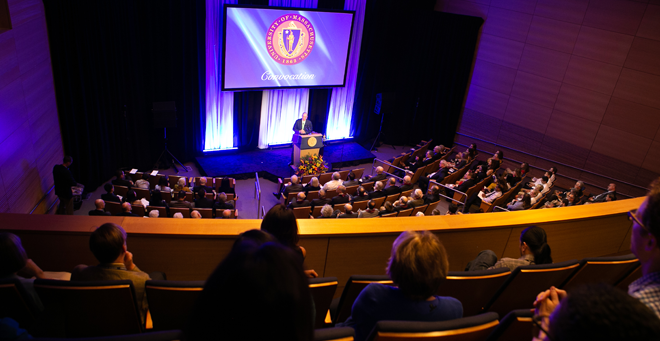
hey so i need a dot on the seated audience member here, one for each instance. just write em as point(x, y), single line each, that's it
point(163, 185)
point(334, 183)
point(559, 195)
point(341, 198)
point(392, 188)
point(611, 189)
point(534, 249)
point(452, 209)
point(348, 212)
point(181, 201)
point(110, 195)
point(154, 214)
point(202, 201)
point(522, 201)
point(223, 203)
point(370, 211)
point(476, 199)
point(181, 186)
point(513, 178)
point(290, 187)
point(178, 215)
point(435, 211)
point(321, 200)
point(328, 212)
point(536, 194)
point(141, 183)
point(407, 183)
point(127, 210)
point(432, 195)
point(14, 264)
point(269, 300)
point(360, 195)
point(202, 185)
point(282, 224)
point(313, 185)
point(300, 201)
point(108, 244)
point(120, 179)
point(419, 214)
point(644, 243)
point(380, 175)
point(100, 208)
point(351, 180)
point(195, 215)
point(417, 198)
point(571, 199)
point(418, 265)
point(386, 209)
point(403, 203)
point(226, 214)
point(157, 199)
point(425, 180)
point(131, 197)
point(462, 185)
point(378, 191)
point(593, 312)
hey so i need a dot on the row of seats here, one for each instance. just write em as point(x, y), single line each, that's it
point(76, 309)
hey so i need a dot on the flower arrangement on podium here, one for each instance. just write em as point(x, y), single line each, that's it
point(312, 164)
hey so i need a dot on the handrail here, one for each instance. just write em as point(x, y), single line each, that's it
point(42, 199)
point(373, 166)
point(553, 161)
point(500, 209)
point(450, 198)
point(257, 192)
point(263, 212)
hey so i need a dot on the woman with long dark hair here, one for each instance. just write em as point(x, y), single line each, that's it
point(534, 249)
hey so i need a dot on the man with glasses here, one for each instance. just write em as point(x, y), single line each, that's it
point(644, 244)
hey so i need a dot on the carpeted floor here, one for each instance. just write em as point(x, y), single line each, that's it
point(275, 163)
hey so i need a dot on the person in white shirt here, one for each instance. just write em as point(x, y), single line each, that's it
point(334, 183)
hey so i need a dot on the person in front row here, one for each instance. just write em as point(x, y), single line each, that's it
point(100, 208)
point(108, 244)
point(416, 278)
point(534, 249)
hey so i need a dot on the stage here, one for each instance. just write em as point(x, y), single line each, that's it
point(274, 163)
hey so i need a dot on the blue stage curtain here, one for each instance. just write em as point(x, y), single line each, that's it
point(342, 99)
point(281, 108)
point(219, 132)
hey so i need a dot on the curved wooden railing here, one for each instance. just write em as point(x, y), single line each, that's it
point(187, 249)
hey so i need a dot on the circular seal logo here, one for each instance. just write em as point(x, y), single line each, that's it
point(312, 141)
point(290, 39)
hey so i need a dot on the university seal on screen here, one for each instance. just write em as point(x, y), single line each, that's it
point(290, 39)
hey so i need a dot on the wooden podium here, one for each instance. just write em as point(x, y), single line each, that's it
point(306, 145)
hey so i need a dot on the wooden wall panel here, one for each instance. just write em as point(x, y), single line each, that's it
point(525, 6)
point(643, 56)
point(639, 87)
point(544, 62)
point(621, 145)
point(500, 51)
point(615, 15)
point(572, 129)
point(650, 25)
point(652, 160)
point(632, 117)
point(30, 141)
point(486, 101)
point(605, 46)
point(553, 34)
point(536, 89)
point(592, 75)
point(493, 76)
point(566, 10)
point(507, 24)
point(581, 102)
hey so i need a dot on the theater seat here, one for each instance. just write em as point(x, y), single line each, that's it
point(473, 328)
point(17, 303)
point(171, 302)
point(610, 270)
point(323, 289)
point(340, 309)
point(170, 335)
point(516, 325)
point(473, 288)
point(88, 309)
point(334, 334)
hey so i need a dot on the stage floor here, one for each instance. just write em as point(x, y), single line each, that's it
point(273, 164)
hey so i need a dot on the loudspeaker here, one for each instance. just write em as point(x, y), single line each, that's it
point(164, 114)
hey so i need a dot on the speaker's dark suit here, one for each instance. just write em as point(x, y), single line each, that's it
point(307, 128)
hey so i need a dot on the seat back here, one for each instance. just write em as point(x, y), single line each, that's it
point(473, 328)
point(525, 282)
point(343, 175)
point(113, 207)
point(322, 289)
point(352, 189)
point(311, 195)
point(138, 209)
point(167, 196)
point(340, 207)
point(325, 177)
point(433, 167)
point(353, 287)
point(317, 211)
point(368, 186)
point(405, 213)
point(419, 209)
point(379, 202)
point(430, 208)
point(334, 334)
point(393, 197)
point(17, 303)
point(307, 178)
point(358, 173)
point(291, 196)
point(87, 309)
point(406, 193)
point(393, 214)
point(301, 212)
point(360, 205)
point(331, 193)
point(162, 211)
point(633, 276)
point(205, 212)
point(171, 302)
point(417, 174)
point(184, 210)
point(154, 180)
point(516, 325)
point(234, 214)
point(173, 179)
point(121, 190)
point(473, 288)
point(142, 193)
point(608, 270)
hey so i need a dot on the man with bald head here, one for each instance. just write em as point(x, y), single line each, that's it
point(392, 188)
point(380, 175)
point(300, 201)
point(407, 184)
point(290, 187)
point(334, 183)
point(127, 210)
point(100, 208)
